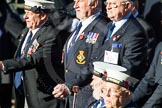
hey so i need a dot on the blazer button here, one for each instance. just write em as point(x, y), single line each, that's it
point(66, 70)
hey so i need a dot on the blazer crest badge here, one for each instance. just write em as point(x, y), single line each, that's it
point(81, 59)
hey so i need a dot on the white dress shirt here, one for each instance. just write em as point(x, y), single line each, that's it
point(85, 23)
point(119, 23)
point(33, 33)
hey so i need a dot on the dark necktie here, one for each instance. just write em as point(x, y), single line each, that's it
point(110, 32)
point(96, 104)
point(18, 75)
point(74, 39)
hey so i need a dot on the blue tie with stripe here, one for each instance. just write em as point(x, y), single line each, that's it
point(110, 32)
point(18, 75)
point(74, 39)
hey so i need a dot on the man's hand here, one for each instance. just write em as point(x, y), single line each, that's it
point(1, 65)
point(60, 91)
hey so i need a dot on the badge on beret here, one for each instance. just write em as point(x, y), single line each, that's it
point(80, 59)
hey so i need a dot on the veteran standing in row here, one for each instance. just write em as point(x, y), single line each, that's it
point(37, 62)
point(78, 49)
point(125, 43)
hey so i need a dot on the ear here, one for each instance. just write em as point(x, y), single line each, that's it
point(43, 16)
point(128, 5)
point(93, 3)
point(127, 95)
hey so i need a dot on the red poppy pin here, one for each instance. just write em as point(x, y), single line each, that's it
point(115, 37)
point(81, 36)
point(30, 51)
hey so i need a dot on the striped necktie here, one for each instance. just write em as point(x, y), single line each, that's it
point(18, 75)
point(110, 32)
point(75, 36)
point(73, 40)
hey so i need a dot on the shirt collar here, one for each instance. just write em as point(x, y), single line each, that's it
point(122, 21)
point(90, 19)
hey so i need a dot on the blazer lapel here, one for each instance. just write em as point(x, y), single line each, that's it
point(108, 45)
point(22, 38)
point(36, 36)
point(86, 31)
point(80, 42)
point(66, 50)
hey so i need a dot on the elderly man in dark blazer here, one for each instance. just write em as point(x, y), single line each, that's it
point(37, 63)
point(150, 87)
point(125, 43)
point(78, 49)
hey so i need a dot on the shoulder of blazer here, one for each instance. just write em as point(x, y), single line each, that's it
point(131, 22)
point(48, 23)
point(47, 27)
point(101, 22)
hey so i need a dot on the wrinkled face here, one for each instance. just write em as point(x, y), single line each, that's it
point(96, 86)
point(33, 20)
point(83, 9)
point(114, 96)
point(117, 9)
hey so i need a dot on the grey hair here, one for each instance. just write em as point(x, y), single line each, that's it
point(127, 1)
point(99, 7)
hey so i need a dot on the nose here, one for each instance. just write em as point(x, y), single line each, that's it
point(108, 6)
point(75, 4)
point(108, 94)
point(25, 15)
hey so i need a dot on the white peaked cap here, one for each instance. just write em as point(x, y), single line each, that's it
point(44, 4)
point(120, 78)
point(115, 74)
point(100, 67)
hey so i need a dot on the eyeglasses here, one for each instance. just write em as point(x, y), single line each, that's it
point(113, 4)
point(78, 0)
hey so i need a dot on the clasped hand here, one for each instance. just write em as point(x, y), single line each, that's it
point(61, 91)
